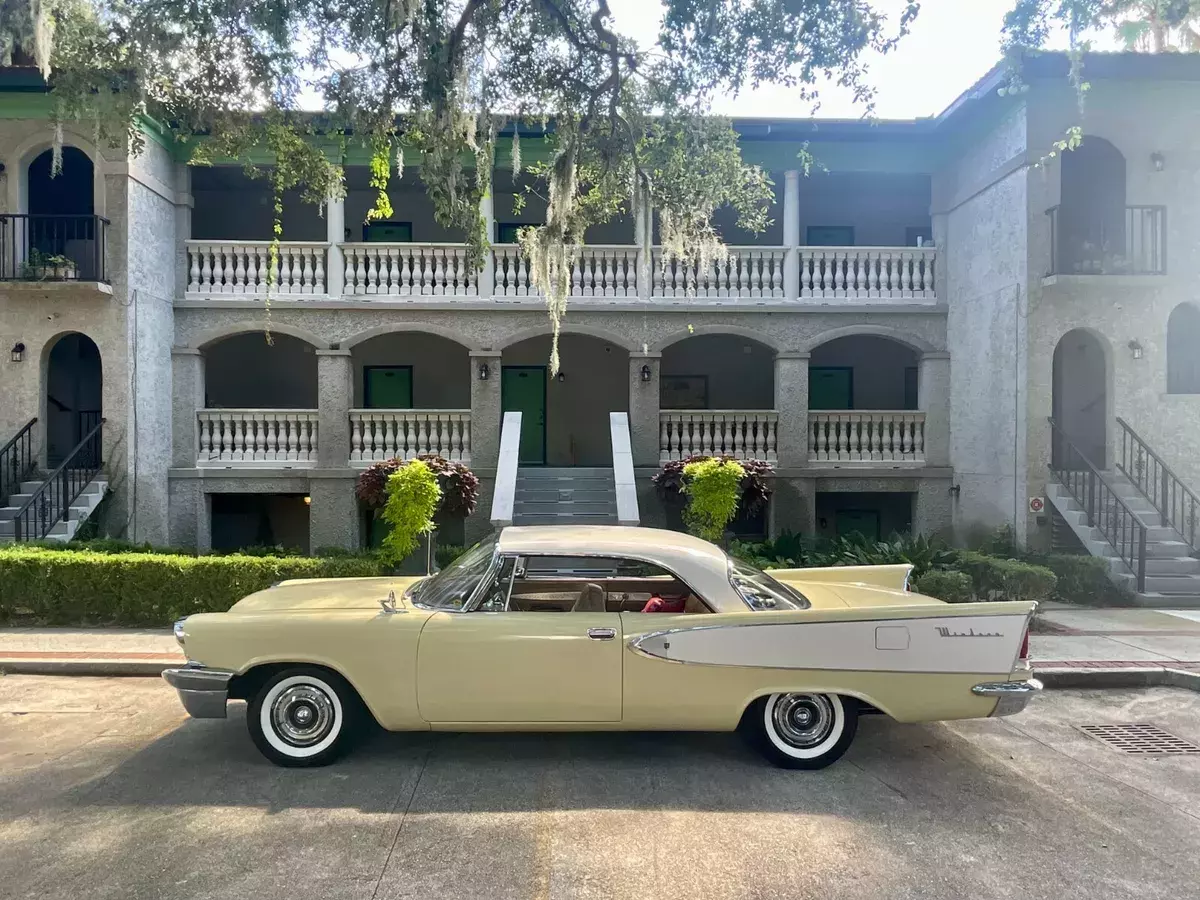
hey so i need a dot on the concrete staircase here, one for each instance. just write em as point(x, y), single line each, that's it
point(1172, 573)
point(565, 497)
point(63, 529)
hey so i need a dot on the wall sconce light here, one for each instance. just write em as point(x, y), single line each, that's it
point(307, 500)
point(18, 352)
point(646, 374)
point(1158, 161)
point(562, 376)
point(484, 372)
point(1136, 349)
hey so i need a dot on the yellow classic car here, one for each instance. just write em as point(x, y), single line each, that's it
point(602, 628)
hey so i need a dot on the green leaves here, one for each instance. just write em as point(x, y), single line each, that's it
point(412, 500)
point(713, 487)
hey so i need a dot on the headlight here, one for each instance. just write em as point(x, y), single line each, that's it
point(179, 632)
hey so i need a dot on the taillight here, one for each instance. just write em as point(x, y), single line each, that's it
point(1024, 654)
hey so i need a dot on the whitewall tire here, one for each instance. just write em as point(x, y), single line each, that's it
point(802, 731)
point(302, 717)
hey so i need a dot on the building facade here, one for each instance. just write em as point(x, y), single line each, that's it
point(894, 344)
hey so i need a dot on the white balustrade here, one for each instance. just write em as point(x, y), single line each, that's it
point(865, 436)
point(595, 271)
point(245, 268)
point(409, 270)
point(379, 434)
point(866, 273)
point(750, 272)
point(278, 438)
point(745, 434)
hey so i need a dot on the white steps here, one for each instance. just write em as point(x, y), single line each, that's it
point(576, 496)
point(64, 529)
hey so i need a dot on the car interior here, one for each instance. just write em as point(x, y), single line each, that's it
point(588, 584)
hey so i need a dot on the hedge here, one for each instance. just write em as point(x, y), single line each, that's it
point(1082, 579)
point(947, 585)
point(73, 587)
point(996, 578)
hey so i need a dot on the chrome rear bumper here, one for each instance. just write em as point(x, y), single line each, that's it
point(203, 692)
point(1012, 696)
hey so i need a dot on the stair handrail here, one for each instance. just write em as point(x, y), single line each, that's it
point(53, 498)
point(505, 491)
point(16, 459)
point(1176, 502)
point(1124, 531)
point(624, 485)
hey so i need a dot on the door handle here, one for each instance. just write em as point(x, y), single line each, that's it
point(602, 634)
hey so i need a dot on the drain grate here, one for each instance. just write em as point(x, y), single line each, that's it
point(1139, 737)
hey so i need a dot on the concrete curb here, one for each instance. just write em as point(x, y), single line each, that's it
point(107, 668)
point(1150, 676)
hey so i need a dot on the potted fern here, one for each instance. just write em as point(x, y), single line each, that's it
point(49, 267)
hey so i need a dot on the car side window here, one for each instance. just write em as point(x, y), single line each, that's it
point(588, 584)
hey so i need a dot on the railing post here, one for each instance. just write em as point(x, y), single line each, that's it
point(335, 234)
point(791, 234)
point(1141, 567)
point(487, 275)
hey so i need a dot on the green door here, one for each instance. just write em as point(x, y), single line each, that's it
point(830, 387)
point(387, 387)
point(523, 389)
point(864, 522)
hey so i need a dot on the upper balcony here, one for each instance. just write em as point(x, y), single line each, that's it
point(834, 239)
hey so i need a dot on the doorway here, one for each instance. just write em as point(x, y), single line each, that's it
point(830, 387)
point(388, 387)
point(523, 390)
point(74, 385)
point(1080, 397)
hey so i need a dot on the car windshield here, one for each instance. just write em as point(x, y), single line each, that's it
point(452, 587)
point(761, 591)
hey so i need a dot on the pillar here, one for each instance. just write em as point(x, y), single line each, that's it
point(644, 408)
point(183, 226)
point(791, 234)
point(933, 514)
point(791, 403)
point(335, 233)
point(333, 518)
point(487, 277)
point(933, 398)
point(941, 229)
point(485, 409)
point(335, 394)
point(187, 397)
point(643, 233)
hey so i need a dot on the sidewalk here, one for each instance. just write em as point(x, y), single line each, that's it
point(1070, 646)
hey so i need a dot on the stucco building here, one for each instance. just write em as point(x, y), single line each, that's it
point(895, 343)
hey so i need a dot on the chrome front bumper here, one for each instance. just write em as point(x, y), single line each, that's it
point(203, 692)
point(1012, 696)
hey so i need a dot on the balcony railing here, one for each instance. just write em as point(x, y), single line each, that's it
point(596, 271)
point(271, 438)
point(745, 434)
point(744, 272)
point(1134, 245)
point(378, 434)
point(867, 273)
point(409, 270)
point(866, 436)
point(53, 248)
point(244, 268)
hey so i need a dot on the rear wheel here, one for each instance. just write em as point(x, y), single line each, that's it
point(302, 716)
point(801, 731)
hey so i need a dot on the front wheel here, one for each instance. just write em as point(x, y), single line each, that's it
point(302, 717)
point(801, 731)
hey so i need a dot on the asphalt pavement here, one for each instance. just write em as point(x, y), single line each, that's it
point(108, 791)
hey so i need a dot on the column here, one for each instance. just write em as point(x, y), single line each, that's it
point(643, 408)
point(183, 225)
point(487, 277)
point(791, 234)
point(485, 409)
point(187, 397)
point(940, 231)
point(643, 234)
point(791, 402)
point(333, 516)
point(335, 394)
point(335, 233)
point(933, 398)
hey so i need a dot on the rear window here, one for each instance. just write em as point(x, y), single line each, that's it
point(761, 591)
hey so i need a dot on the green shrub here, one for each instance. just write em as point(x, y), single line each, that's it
point(713, 487)
point(75, 587)
point(670, 481)
point(920, 552)
point(1005, 579)
point(444, 554)
point(460, 486)
point(945, 584)
point(1082, 579)
point(412, 501)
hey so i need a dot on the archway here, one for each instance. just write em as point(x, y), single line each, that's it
point(1080, 396)
point(1183, 350)
point(1091, 214)
point(61, 220)
point(717, 371)
point(243, 371)
point(73, 392)
point(564, 420)
point(863, 371)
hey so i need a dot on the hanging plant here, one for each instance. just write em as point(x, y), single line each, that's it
point(712, 487)
point(755, 487)
point(458, 484)
point(412, 500)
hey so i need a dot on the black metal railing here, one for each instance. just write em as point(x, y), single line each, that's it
point(17, 460)
point(53, 248)
point(52, 501)
point(1175, 501)
point(1106, 511)
point(1098, 247)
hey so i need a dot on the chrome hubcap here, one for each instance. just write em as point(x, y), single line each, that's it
point(302, 715)
point(803, 720)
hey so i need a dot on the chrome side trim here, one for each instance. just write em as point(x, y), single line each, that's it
point(1012, 696)
point(203, 692)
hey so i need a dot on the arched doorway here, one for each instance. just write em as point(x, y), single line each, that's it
point(61, 220)
point(73, 391)
point(1091, 223)
point(1183, 350)
point(1080, 396)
